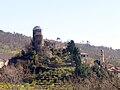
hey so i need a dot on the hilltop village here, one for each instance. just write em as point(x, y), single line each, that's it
point(50, 62)
point(38, 43)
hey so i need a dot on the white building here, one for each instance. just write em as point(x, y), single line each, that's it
point(85, 58)
point(3, 63)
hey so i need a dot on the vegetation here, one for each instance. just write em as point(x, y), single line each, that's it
point(55, 68)
point(14, 42)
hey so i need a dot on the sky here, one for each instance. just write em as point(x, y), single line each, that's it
point(97, 21)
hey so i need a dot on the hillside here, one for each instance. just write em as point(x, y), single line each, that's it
point(49, 64)
point(111, 55)
point(11, 43)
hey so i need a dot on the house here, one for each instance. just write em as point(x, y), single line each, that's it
point(84, 57)
point(3, 62)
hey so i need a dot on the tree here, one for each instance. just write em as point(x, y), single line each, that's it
point(77, 59)
point(58, 39)
point(70, 47)
point(88, 42)
point(74, 53)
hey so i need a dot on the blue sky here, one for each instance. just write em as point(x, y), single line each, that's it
point(97, 21)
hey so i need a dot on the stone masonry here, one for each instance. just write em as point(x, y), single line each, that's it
point(37, 38)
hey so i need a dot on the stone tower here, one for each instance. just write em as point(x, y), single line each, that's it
point(102, 56)
point(37, 38)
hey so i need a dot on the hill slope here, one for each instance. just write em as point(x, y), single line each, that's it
point(13, 42)
point(111, 55)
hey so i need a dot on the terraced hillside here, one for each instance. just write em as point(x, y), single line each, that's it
point(12, 43)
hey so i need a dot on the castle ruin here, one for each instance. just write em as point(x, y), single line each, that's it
point(37, 38)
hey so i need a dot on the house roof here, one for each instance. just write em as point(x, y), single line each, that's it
point(84, 53)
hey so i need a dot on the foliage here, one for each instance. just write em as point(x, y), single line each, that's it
point(100, 71)
point(74, 53)
point(13, 41)
point(51, 68)
point(91, 83)
point(80, 69)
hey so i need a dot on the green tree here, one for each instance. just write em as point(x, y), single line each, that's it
point(75, 56)
point(74, 53)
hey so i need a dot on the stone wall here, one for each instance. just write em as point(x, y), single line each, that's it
point(37, 38)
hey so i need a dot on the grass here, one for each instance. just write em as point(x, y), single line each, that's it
point(63, 71)
point(8, 86)
point(27, 86)
point(87, 84)
point(9, 51)
point(67, 68)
